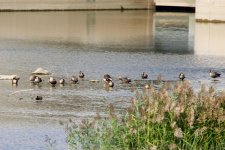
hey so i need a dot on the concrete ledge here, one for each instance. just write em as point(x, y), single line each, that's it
point(37, 5)
point(175, 3)
point(105, 9)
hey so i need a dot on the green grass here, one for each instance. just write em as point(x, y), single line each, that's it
point(172, 117)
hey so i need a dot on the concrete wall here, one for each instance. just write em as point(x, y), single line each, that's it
point(74, 4)
point(210, 10)
point(182, 3)
point(75, 27)
point(209, 39)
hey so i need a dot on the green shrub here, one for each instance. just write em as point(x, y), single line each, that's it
point(172, 117)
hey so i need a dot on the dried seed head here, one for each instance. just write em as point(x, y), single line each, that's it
point(178, 133)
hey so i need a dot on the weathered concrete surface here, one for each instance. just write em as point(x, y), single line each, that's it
point(180, 3)
point(74, 27)
point(209, 39)
point(210, 10)
point(74, 4)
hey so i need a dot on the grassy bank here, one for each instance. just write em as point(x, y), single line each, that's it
point(172, 117)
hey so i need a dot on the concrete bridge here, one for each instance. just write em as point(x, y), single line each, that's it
point(90, 4)
point(175, 3)
point(74, 4)
point(206, 10)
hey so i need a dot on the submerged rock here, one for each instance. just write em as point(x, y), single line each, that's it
point(7, 77)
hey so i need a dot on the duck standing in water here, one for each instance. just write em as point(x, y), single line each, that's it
point(52, 81)
point(74, 79)
point(37, 80)
point(15, 80)
point(214, 74)
point(125, 80)
point(109, 83)
point(81, 74)
point(107, 77)
point(62, 81)
point(32, 78)
point(144, 75)
point(182, 76)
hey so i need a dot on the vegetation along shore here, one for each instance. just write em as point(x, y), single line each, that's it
point(172, 117)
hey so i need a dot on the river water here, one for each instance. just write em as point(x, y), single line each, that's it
point(96, 42)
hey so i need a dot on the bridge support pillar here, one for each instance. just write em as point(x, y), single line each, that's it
point(210, 10)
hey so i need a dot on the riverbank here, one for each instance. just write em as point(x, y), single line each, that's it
point(172, 117)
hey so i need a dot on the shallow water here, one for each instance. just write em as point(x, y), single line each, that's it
point(96, 42)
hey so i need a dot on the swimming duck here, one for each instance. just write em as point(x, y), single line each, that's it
point(52, 81)
point(15, 80)
point(62, 81)
point(81, 74)
point(37, 80)
point(74, 79)
point(107, 77)
point(109, 83)
point(144, 75)
point(125, 79)
point(214, 74)
point(38, 98)
point(182, 76)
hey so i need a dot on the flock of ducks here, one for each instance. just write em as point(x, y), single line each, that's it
point(36, 79)
point(108, 80)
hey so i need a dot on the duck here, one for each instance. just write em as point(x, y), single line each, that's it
point(107, 77)
point(15, 80)
point(32, 78)
point(109, 83)
point(62, 81)
point(74, 79)
point(214, 74)
point(37, 80)
point(182, 76)
point(81, 74)
point(38, 98)
point(52, 81)
point(144, 75)
point(125, 79)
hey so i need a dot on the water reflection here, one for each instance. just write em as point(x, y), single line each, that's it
point(112, 30)
point(106, 29)
point(174, 32)
point(209, 39)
